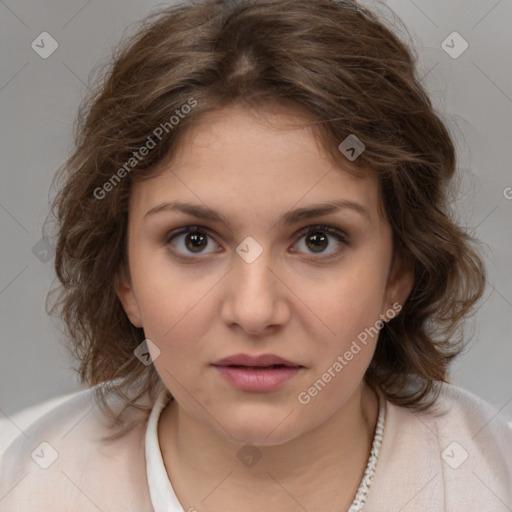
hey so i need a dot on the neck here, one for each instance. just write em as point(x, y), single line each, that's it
point(330, 459)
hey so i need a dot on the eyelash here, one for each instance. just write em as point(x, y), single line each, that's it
point(339, 235)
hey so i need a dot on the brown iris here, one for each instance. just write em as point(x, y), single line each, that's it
point(196, 241)
point(317, 242)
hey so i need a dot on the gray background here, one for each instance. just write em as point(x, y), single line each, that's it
point(38, 102)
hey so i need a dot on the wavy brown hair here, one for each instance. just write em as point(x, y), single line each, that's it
point(336, 62)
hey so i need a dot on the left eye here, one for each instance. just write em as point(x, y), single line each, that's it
point(192, 240)
point(316, 239)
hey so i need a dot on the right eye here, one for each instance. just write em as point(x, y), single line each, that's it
point(192, 240)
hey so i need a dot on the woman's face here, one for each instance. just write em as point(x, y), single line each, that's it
point(251, 243)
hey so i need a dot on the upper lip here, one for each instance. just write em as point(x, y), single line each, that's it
point(248, 360)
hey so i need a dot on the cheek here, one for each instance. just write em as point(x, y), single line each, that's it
point(343, 348)
point(173, 319)
point(177, 323)
point(344, 324)
point(173, 303)
point(346, 304)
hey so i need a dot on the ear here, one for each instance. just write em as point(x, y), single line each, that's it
point(126, 295)
point(400, 281)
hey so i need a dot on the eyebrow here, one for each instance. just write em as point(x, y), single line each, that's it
point(291, 217)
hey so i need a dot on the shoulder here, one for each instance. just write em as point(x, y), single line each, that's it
point(455, 456)
point(458, 411)
point(63, 460)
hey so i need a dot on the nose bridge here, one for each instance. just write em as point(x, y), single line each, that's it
point(253, 275)
point(254, 298)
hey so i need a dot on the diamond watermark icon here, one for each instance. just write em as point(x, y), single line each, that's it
point(454, 455)
point(44, 45)
point(45, 455)
point(249, 455)
point(351, 147)
point(147, 352)
point(249, 249)
point(42, 250)
point(454, 45)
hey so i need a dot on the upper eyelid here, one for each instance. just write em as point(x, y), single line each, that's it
point(190, 227)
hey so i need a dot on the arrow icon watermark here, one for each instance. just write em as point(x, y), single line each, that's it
point(351, 147)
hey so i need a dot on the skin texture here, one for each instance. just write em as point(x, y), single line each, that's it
point(302, 305)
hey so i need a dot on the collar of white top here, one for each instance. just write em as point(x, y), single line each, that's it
point(163, 497)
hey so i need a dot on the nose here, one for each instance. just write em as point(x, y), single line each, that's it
point(255, 299)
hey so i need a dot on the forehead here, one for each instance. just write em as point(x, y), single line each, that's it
point(253, 161)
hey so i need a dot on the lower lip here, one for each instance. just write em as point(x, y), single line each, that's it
point(257, 380)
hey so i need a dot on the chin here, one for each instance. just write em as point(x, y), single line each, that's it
point(261, 429)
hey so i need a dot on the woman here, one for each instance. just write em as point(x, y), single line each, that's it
point(261, 280)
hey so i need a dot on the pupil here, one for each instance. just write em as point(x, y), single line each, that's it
point(317, 242)
point(196, 241)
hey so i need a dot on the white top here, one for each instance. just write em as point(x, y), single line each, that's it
point(163, 497)
point(456, 457)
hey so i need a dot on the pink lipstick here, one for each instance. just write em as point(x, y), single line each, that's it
point(261, 373)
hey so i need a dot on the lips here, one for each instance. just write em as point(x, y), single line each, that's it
point(263, 373)
point(261, 361)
